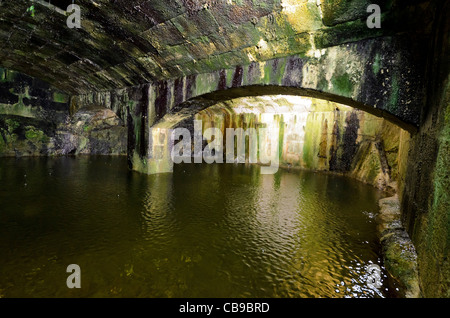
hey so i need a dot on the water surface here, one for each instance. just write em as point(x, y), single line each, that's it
point(204, 231)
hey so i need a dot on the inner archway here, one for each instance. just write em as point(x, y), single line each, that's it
point(309, 133)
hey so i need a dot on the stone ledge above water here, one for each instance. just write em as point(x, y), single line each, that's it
point(399, 253)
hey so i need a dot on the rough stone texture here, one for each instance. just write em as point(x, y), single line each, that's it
point(425, 199)
point(129, 42)
point(399, 254)
point(22, 95)
point(24, 136)
point(426, 202)
point(91, 130)
point(35, 121)
point(186, 49)
point(344, 74)
point(30, 111)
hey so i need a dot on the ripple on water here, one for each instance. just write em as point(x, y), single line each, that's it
point(205, 231)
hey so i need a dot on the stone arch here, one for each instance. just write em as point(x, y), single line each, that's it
point(376, 75)
point(354, 161)
point(380, 76)
point(212, 98)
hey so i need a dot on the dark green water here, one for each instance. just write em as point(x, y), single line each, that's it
point(203, 231)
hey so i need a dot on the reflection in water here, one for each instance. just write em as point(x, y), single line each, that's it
point(203, 231)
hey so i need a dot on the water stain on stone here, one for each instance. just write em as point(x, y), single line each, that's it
point(293, 74)
point(190, 86)
point(178, 90)
point(222, 80)
point(131, 141)
point(333, 163)
point(350, 146)
point(144, 121)
point(238, 75)
point(161, 99)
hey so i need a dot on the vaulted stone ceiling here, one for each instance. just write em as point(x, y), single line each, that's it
point(129, 42)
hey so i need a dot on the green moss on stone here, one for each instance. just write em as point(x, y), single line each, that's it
point(373, 167)
point(60, 97)
point(313, 132)
point(394, 95)
point(280, 137)
point(436, 233)
point(10, 75)
point(338, 11)
point(322, 84)
point(277, 75)
point(376, 66)
point(343, 84)
point(2, 75)
point(400, 261)
point(11, 125)
point(35, 135)
point(2, 145)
